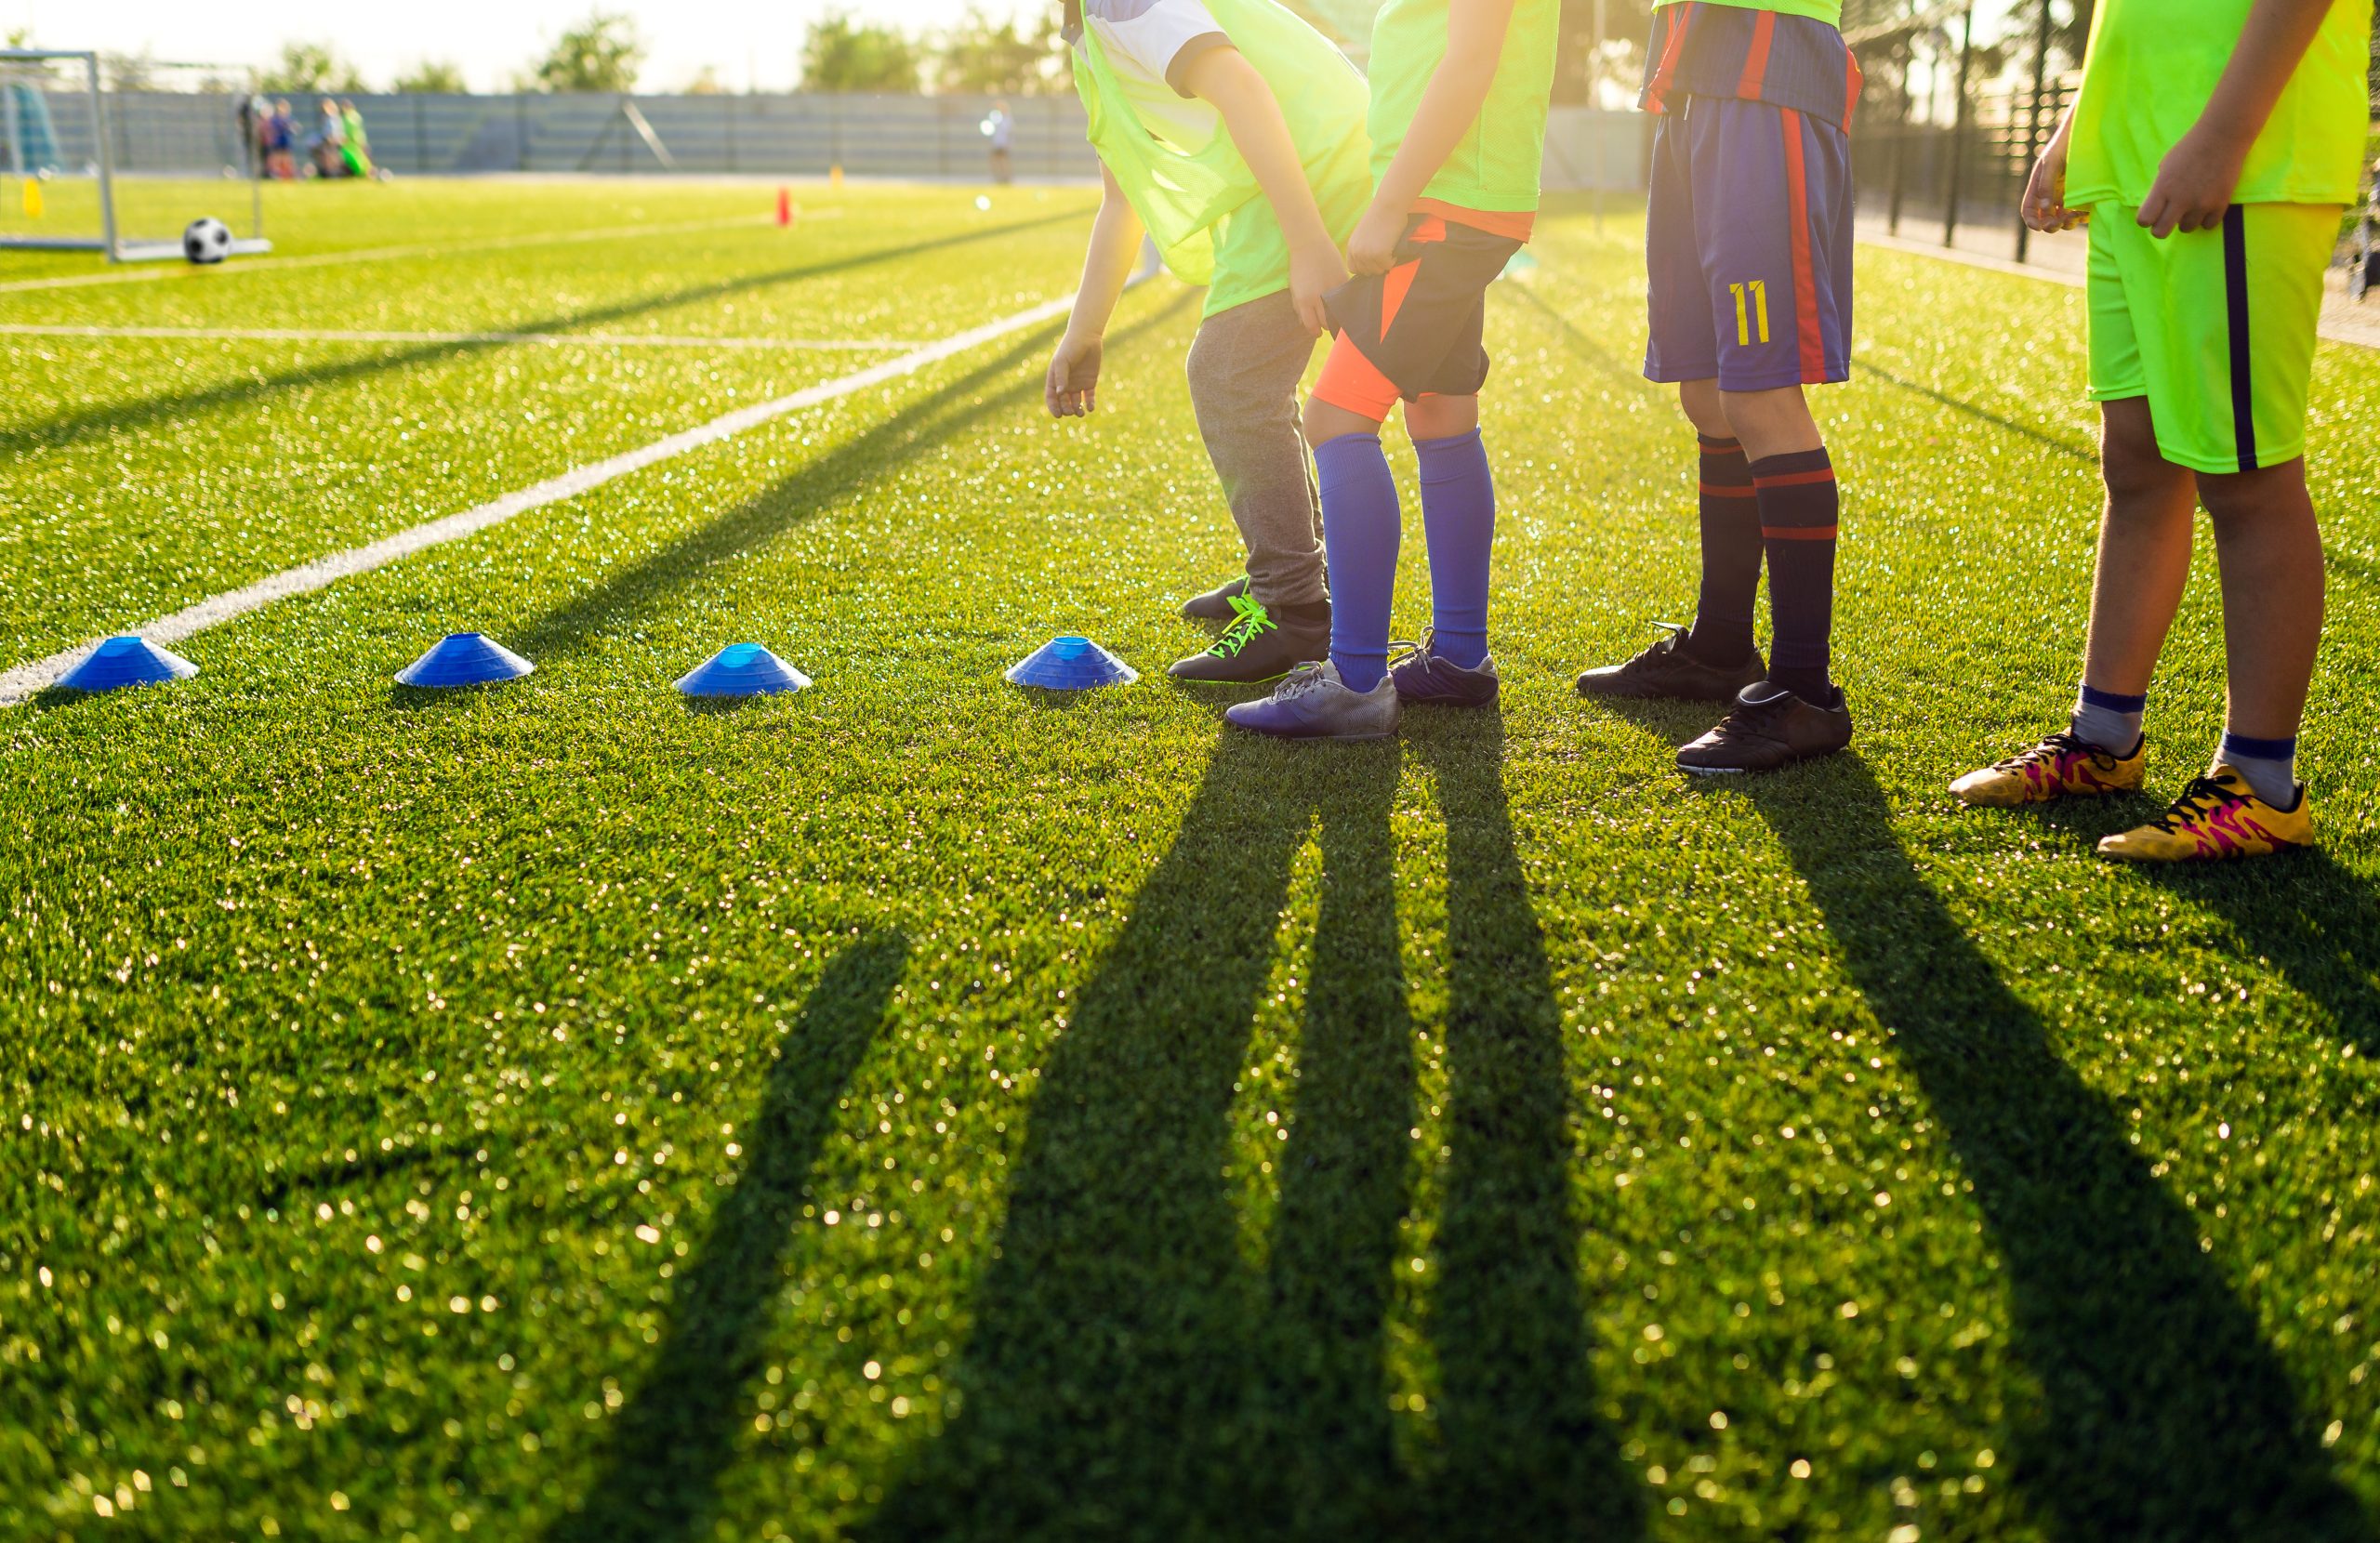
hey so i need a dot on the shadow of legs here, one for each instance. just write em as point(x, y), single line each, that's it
point(2163, 1414)
point(1526, 1454)
point(1347, 1170)
point(2315, 919)
point(1104, 1379)
point(677, 1433)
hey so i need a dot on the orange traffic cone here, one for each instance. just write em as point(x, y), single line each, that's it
point(784, 205)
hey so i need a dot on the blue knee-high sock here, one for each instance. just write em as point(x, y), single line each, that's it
point(1361, 524)
point(1458, 520)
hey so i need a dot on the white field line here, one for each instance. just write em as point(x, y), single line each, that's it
point(596, 340)
point(391, 253)
point(20, 683)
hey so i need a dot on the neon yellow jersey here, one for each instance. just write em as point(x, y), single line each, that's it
point(1495, 166)
point(1200, 203)
point(2151, 70)
point(1828, 11)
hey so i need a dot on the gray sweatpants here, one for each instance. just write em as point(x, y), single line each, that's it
point(1244, 368)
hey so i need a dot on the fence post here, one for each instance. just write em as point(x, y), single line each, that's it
point(2034, 126)
point(520, 132)
point(1958, 136)
point(1901, 132)
point(727, 103)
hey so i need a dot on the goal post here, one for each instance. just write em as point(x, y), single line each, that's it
point(121, 166)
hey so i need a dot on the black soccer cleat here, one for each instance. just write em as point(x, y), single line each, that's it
point(1217, 604)
point(1768, 730)
point(1255, 649)
point(1667, 670)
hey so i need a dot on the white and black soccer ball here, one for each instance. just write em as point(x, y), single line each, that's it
point(207, 242)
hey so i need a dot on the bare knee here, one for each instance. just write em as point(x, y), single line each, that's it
point(2266, 493)
point(1325, 423)
point(1436, 418)
point(2136, 471)
point(1705, 409)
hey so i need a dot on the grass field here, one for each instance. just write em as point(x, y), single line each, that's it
point(917, 1109)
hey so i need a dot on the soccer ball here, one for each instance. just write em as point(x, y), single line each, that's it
point(207, 242)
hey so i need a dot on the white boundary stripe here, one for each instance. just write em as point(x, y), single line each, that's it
point(595, 339)
point(22, 682)
point(394, 254)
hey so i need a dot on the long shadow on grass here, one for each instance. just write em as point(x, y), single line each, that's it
point(677, 1433)
point(2164, 1414)
point(950, 411)
point(1129, 1375)
point(1524, 1454)
point(1118, 1381)
point(56, 433)
point(2315, 919)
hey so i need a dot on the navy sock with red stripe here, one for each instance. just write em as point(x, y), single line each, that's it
point(1731, 552)
point(1798, 512)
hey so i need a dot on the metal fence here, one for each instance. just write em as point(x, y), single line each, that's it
point(789, 135)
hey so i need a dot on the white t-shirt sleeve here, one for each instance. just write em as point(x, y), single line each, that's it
point(1157, 39)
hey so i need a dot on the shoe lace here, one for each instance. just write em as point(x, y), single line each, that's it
point(1754, 717)
point(1253, 622)
point(2062, 742)
point(1403, 649)
point(2202, 796)
point(1299, 681)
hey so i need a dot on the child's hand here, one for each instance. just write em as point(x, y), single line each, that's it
point(2045, 206)
point(2194, 184)
point(1372, 249)
point(1315, 270)
point(1071, 389)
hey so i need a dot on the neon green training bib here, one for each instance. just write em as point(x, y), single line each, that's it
point(2152, 69)
point(1495, 166)
point(1201, 204)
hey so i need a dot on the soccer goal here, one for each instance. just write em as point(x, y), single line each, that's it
point(120, 159)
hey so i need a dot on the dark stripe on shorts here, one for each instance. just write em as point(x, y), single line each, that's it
point(2243, 375)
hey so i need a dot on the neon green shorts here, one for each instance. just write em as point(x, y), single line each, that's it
point(2215, 328)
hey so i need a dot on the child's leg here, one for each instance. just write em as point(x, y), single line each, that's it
point(2144, 566)
point(2270, 553)
point(1457, 520)
point(1794, 490)
point(1244, 369)
point(1729, 514)
point(1362, 526)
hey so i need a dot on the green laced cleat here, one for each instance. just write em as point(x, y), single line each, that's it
point(1254, 650)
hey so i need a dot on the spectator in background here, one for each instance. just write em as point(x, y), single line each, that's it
point(1001, 128)
point(330, 141)
point(355, 146)
point(281, 142)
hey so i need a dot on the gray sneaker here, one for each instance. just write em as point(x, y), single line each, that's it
point(1315, 703)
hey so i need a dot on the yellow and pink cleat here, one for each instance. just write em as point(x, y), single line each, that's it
point(2217, 817)
point(2060, 766)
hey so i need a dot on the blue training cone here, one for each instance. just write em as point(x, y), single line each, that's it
point(128, 660)
point(1072, 663)
point(742, 669)
point(464, 659)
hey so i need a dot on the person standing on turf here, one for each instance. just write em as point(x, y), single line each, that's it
point(1234, 134)
point(1748, 259)
point(2210, 150)
point(1460, 91)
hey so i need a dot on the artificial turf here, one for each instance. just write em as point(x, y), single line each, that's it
point(917, 1108)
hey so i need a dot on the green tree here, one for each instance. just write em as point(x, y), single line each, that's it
point(312, 68)
point(602, 53)
point(844, 55)
point(1003, 59)
point(433, 77)
point(21, 37)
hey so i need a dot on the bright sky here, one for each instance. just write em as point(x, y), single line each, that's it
point(749, 44)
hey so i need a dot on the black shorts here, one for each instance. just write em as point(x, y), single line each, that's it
point(1415, 331)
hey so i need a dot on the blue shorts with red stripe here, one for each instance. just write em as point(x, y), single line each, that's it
point(1748, 246)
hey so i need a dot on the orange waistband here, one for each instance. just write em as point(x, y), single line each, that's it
point(1511, 224)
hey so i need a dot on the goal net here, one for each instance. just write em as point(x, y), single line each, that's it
point(119, 157)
